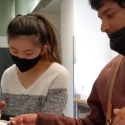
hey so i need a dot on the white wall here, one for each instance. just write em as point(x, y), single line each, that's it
point(54, 19)
point(67, 32)
point(3, 42)
point(92, 46)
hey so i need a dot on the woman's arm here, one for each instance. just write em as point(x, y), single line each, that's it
point(56, 99)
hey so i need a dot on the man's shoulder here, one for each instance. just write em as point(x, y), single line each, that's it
point(107, 72)
point(112, 64)
point(116, 59)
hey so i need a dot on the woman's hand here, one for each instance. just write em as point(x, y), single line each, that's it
point(2, 104)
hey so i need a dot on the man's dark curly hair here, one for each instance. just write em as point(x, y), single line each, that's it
point(97, 4)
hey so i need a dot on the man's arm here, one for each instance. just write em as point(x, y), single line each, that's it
point(96, 116)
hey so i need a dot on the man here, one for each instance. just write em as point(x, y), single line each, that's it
point(112, 14)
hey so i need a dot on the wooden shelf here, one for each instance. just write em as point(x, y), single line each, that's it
point(80, 101)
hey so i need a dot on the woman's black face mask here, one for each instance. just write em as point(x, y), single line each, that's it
point(25, 64)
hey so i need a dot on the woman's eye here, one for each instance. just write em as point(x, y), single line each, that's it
point(14, 52)
point(28, 54)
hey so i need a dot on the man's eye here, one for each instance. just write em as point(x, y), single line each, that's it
point(111, 15)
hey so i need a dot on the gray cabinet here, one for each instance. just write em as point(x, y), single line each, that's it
point(5, 60)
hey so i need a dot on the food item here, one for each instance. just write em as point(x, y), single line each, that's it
point(3, 122)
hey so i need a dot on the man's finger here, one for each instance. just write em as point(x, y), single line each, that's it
point(121, 122)
point(118, 117)
point(14, 123)
point(116, 111)
point(21, 121)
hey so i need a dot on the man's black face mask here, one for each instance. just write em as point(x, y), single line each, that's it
point(117, 41)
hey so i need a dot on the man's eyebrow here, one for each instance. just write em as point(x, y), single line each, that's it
point(105, 11)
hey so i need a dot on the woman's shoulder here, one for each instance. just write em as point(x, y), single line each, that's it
point(56, 67)
point(10, 70)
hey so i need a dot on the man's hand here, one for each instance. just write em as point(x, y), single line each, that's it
point(120, 117)
point(26, 119)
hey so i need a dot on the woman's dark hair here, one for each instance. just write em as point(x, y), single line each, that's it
point(44, 31)
point(97, 4)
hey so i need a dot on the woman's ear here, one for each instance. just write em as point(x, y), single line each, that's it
point(44, 49)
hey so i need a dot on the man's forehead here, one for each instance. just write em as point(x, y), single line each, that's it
point(106, 7)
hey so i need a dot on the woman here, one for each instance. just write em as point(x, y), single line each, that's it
point(37, 81)
point(2, 104)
